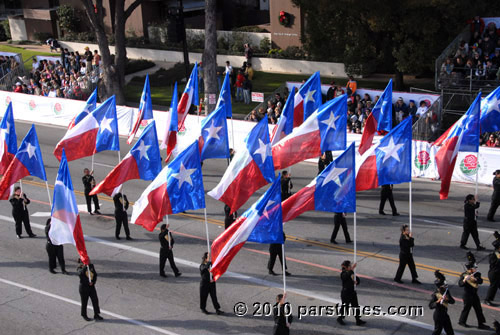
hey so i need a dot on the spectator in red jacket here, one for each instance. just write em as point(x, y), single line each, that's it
point(239, 86)
point(19, 88)
point(491, 141)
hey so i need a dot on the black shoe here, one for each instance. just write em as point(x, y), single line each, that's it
point(394, 214)
point(163, 275)
point(64, 272)
point(360, 322)
point(416, 281)
point(463, 324)
point(491, 220)
point(340, 321)
point(348, 241)
point(271, 272)
point(52, 271)
point(97, 212)
point(178, 274)
point(381, 212)
point(463, 247)
point(118, 237)
point(481, 248)
point(91, 213)
point(288, 274)
point(86, 318)
point(483, 326)
point(333, 241)
point(219, 312)
point(203, 310)
point(32, 235)
point(97, 317)
point(19, 237)
point(398, 281)
point(490, 303)
point(129, 238)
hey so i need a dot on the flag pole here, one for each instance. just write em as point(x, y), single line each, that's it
point(232, 131)
point(48, 193)
point(92, 167)
point(355, 246)
point(206, 229)
point(283, 266)
point(169, 245)
point(409, 207)
point(477, 172)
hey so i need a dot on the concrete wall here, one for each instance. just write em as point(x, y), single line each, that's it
point(259, 64)
point(18, 28)
point(253, 38)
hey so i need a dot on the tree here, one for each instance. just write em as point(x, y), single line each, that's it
point(113, 69)
point(209, 58)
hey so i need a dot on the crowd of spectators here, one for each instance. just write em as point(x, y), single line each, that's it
point(7, 64)
point(491, 140)
point(476, 60)
point(74, 76)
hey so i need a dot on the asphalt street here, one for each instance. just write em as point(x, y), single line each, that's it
point(136, 300)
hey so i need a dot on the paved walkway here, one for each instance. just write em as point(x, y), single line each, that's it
point(151, 70)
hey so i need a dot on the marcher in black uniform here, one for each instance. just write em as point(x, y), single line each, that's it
point(440, 300)
point(339, 220)
point(275, 249)
point(121, 206)
point(207, 286)
point(166, 250)
point(495, 197)
point(229, 218)
point(286, 185)
point(324, 160)
point(348, 294)
point(494, 273)
point(20, 212)
point(87, 289)
point(470, 281)
point(54, 251)
point(88, 184)
point(406, 243)
point(386, 194)
point(496, 326)
point(281, 320)
point(470, 223)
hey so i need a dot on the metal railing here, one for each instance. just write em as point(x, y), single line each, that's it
point(468, 79)
point(427, 127)
point(280, 90)
point(450, 50)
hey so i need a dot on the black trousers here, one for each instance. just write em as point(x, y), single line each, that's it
point(85, 293)
point(121, 219)
point(403, 261)
point(90, 198)
point(493, 208)
point(442, 321)
point(19, 220)
point(349, 299)
point(472, 302)
point(340, 222)
point(494, 285)
point(56, 252)
point(275, 250)
point(164, 255)
point(205, 290)
point(387, 195)
point(470, 230)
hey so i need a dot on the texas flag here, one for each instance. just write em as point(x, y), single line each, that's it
point(388, 162)
point(90, 106)
point(462, 136)
point(178, 187)
point(8, 138)
point(65, 226)
point(250, 169)
point(190, 96)
point(333, 190)
point(27, 162)
point(97, 132)
point(261, 223)
point(490, 112)
point(225, 97)
point(214, 141)
point(324, 130)
point(170, 136)
point(379, 120)
point(142, 162)
point(145, 114)
point(307, 100)
point(285, 122)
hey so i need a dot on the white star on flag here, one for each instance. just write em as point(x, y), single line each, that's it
point(268, 205)
point(309, 96)
point(30, 149)
point(391, 150)
point(143, 150)
point(184, 175)
point(213, 131)
point(264, 150)
point(106, 124)
point(334, 176)
point(489, 106)
point(330, 122)
point(6, 132)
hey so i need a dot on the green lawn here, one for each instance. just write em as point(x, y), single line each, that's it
point(26, 54)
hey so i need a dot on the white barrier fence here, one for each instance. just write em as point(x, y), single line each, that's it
point(60, 112)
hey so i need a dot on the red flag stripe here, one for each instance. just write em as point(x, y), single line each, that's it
point(125, 170)
point(300, 202)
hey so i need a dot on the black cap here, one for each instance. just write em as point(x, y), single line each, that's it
point(471, 265)
point(496, 172)
point(496, 244)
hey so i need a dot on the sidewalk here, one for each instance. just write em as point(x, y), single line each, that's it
point(151, 70)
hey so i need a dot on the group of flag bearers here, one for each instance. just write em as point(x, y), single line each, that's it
point(307, 129)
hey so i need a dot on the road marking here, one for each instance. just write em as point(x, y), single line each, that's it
point(254, 280)
point(77, 303)
point(453, 226)
point(41, 214)
point(105, 165)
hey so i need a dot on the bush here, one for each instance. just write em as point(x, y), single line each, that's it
point(275, 53)
point(294, 52)
point(42, 36)
point(265, 45)
point(223, 43)
point(239, 40)
point(68, 18)
point(251, 29)
point(6, 30)
point(196, 41)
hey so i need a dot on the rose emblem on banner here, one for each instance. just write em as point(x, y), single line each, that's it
point(32, 104)
point(57, 108)
point(8, 99)
point(469, 165)
point(144, 124)
point(423, 160)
